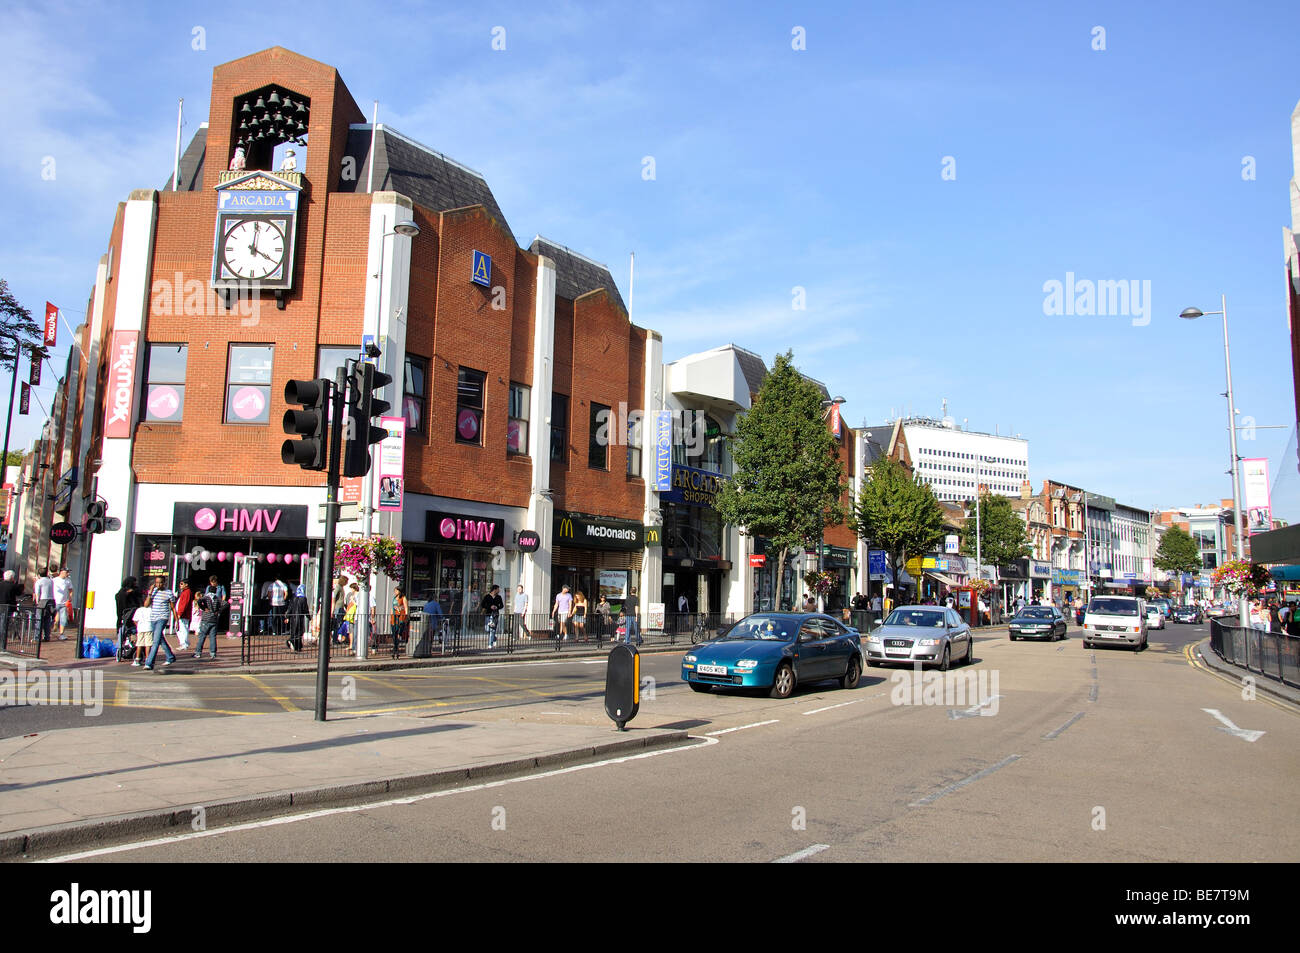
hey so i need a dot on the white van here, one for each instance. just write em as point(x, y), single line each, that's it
point(1116, 620)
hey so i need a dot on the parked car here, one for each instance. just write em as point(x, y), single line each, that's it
point(1038, 622)
point(1155, 617)
point(1116, 620)
point(1185, 614)
point(927, 634)
point(777, 651)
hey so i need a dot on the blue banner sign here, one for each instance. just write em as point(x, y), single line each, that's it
point(663, 450)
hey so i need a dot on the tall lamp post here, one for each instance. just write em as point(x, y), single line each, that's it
point(407, 230)
point(1191, 314)
point(827, 407)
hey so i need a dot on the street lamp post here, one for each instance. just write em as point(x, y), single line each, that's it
point(1191, 314)
point(827, 407)
point(407, 230)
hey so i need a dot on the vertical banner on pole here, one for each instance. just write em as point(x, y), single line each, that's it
point(1255, 494)
point(35, 377)
point(51, 324)
point(25, 400)
point(391, 458)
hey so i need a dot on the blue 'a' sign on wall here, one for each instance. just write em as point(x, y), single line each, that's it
point(482, 269)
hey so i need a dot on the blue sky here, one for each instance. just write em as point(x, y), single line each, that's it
point(776, 169)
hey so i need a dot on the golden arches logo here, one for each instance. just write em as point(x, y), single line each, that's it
point(566, 528)
point(651, 534)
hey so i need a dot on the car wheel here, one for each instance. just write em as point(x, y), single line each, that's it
point(970, 650)
point(852, 675)
point(944, 661)
point(698, 687)
point(783, 682)
point(1013, 638)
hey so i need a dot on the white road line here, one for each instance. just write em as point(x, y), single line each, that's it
point(800, 855)
point(931, 798)
point(1053, 734)
point(757, 724)
point(393, 802)
point(1245, 734)
point(973, 711)
point(1092, 695)
point(829, 707)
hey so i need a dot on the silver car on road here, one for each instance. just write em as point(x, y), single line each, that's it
point(930, 635)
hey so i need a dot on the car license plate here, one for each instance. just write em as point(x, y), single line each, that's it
point(711, 669)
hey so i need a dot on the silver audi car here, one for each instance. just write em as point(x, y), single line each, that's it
point(931, 635)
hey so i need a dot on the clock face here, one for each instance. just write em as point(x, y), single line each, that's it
point(254, 249)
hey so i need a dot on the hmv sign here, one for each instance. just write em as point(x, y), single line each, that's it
point(239, 519)
point(463, 530)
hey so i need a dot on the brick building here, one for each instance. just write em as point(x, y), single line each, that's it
point(212, 295)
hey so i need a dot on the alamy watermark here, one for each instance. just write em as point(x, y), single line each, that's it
point(616, 427)
point(1082, 296)
point(84, 688)
point(193, 298)
point(974, 692)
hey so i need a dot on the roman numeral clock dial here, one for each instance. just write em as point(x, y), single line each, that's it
point(254, 249)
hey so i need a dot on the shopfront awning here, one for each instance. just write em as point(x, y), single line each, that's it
point(943, 578)
point(1285, 573)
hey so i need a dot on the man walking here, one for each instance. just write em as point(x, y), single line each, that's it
point(491, 605)
point(279, 599)
point(211, 602)
point(521, 612)
point(45, 602)
point(62, 602)
point(184, 605)
point(162, 606)
point(560, 611)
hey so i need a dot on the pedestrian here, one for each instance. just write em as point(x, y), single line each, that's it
point(433, 617)
point(63, 602)
point(141, 621)
point(521, 612)
point(632, 609)
point(298, 611)
point(162, 608)
point(401, 617)
point(561, 610)
point(45, 602)
point(602, 613)
point(128, 600)
point(210, 603)
point(876, 603)
point(10, 591)
point(184, 603)
point(279, 605)
point(338, 608)
point(580, 616)
point(350, 613)
point(887, 605)
point(491, 606)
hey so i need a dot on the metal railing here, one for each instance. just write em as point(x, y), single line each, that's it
point(22, 635)
point(1274, 655)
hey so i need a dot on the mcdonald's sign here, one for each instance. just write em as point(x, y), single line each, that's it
point(653, 537)
point(598, 532)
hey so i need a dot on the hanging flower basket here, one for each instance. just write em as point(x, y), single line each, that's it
point(356, 557)
point(820, 583)
point(1242, 578)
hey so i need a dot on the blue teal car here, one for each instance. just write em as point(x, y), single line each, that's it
point(777, 651)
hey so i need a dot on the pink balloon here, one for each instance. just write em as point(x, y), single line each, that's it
point(221, 557)
point(288, 557)
point(189, 557)
point(270, 557)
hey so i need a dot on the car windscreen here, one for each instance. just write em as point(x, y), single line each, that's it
point(768, 628)
point(921, 618)
point(1114, 606)
point(1035, 614)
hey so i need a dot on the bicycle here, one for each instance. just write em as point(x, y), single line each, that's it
point(700, 632)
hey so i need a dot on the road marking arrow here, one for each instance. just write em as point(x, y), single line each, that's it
point(973, 711)
point(1244, 734)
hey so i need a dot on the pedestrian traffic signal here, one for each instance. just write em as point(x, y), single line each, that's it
point(96, 516)
point(363, 406)
point(311, 423)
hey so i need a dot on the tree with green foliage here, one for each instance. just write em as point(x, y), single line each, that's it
point(16, 323)
point(1178, 552)
point(898, 513)
point(1002, 534)
point(787, 479)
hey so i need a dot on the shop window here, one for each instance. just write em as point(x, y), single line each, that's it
point(517, 424)
point(598, 446)
point(469, 407)
point(248, 383)
point(414, 399)
point(164, 400)
point(559, 428)
point(634, 448)
point(330, 359)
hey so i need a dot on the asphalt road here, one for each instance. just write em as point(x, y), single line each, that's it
point(1062, 754)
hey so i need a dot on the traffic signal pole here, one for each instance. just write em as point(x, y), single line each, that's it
point(326, 638)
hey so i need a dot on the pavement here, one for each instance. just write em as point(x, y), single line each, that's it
point(76, 788)
point(1236, 673)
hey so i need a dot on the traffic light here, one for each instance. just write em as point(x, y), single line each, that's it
point(311, 424)
point(363, 405)
point(96, 516)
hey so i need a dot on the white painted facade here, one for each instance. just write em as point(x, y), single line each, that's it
point(955, 462)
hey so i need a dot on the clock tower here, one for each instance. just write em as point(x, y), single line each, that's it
point(257, 216)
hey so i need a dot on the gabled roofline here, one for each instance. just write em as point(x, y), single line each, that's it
point(570, 251)
point(390, 131)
